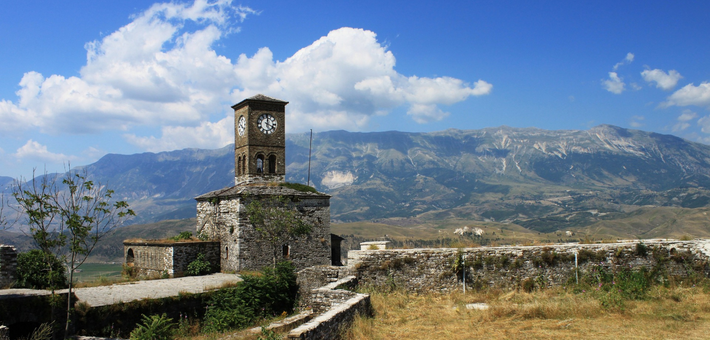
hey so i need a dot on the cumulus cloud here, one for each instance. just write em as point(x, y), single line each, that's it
point(344, 78)
point(37, 152)
point(663, 80)
point(160, 70)
point(206, 135)
point(614, 84)
point(690, 95)
point(684, 120)
point(149, 72)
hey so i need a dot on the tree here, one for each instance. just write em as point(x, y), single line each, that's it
point(36, 201)
point(276, 220)
point(32, 270)
point(69, 223)
point(86, 214)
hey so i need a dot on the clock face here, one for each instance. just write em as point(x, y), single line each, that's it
point(266, 124)
point(242, 125)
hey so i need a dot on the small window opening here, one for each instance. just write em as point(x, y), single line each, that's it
point(286, 251)
point(272, 164)
point(244, 164)
point(130, 258)
point(226, 252)
point(239, 165)
point(260, 164)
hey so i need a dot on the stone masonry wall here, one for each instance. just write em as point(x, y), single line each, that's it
point(240, 245)
point(509, 267)
point(172, 259)
point(8, 265)
point(337, 308)
point(186, 252)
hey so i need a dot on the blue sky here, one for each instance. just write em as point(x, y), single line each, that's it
point(80, 79)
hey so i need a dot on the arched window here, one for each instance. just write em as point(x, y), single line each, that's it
point(272, 164)
point(260, 164)
point(226, 252)
point(239, 165)
point(130, 258)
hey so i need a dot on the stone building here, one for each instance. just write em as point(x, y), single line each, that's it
point(259, 172)
point(260, 168)
point(158, 258)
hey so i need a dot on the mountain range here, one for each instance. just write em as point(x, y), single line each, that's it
point(539, 179)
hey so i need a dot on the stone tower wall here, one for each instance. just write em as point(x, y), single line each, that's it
point(241, 246)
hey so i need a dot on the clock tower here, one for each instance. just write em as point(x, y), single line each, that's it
point(259, 140)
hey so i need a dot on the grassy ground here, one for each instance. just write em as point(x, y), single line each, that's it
point(667, 313)
point(91, 272)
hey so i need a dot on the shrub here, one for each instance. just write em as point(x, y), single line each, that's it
point(269, 294)
point(641, 249)
point(199, 266)
point(39, 270)
point(299, 187)
point(154, 327)
point(185, 235)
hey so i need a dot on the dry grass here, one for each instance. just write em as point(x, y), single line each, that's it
point(677, 313)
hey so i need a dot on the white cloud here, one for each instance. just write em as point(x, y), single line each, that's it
point(637, 121)
point(207, 135)
point(690, 95)
point(149, 72)
point(160, 70)
point(614, 84)
point(344, 78)
point(627, 60)
point(684, 120)
point(704, 124)
point(665, 81)
point(35, 151)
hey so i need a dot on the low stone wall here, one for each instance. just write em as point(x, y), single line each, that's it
point(8, 265)
point(152, 258)
point(338, 308)
point(510, 267)
point(312, 278)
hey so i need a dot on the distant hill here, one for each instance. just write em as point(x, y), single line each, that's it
point(539, 179)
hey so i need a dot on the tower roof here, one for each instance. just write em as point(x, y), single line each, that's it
point(258, 98)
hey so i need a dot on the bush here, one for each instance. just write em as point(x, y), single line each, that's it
point(154, 327)
point(185, 235)
point(299, 187)
point(199, 267)
point(258, 296)
point(39, 270)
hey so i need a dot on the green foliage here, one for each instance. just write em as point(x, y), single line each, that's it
point(299, 187)
point(199, 266)
point(612, 288)
point(154, 327)
point(269, 294)
point(43, 332)
point(641, 249)
point(276, 220)
point(39, 270)
point(185, 235)
point(267, 334)
point(586, 255)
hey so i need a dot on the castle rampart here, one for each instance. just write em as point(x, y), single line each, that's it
point(510, 267)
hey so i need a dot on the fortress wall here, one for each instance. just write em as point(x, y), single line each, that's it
point(8, 265)
point(509, 267)
point(337, 308)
